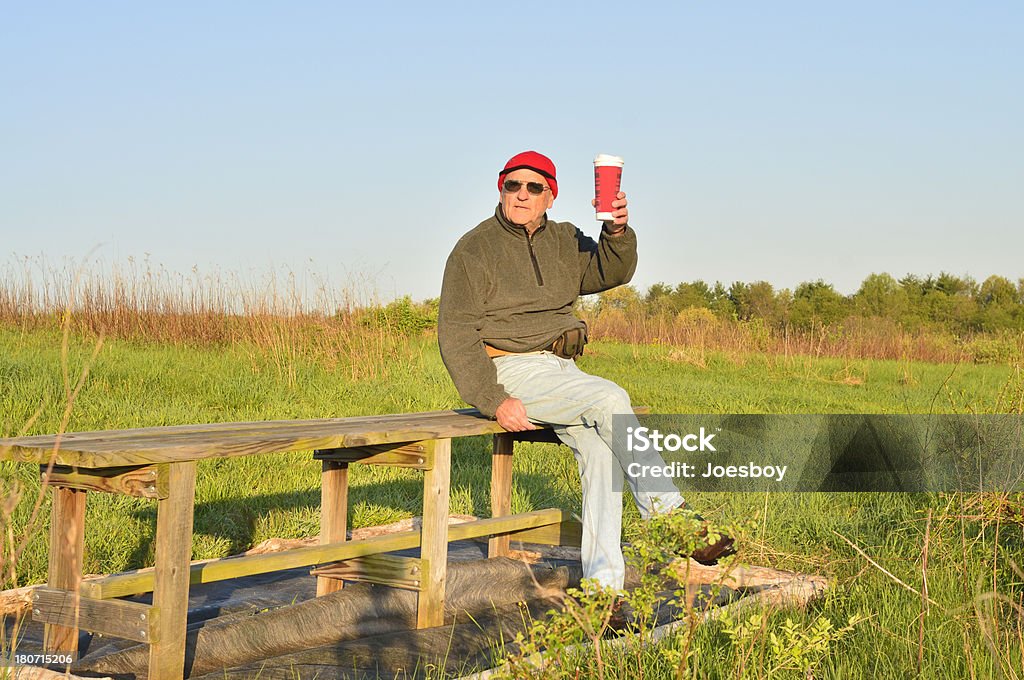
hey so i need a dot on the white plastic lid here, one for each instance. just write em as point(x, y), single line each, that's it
point(607, 159)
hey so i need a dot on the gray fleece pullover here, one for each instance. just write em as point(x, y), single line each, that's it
point(515, 292)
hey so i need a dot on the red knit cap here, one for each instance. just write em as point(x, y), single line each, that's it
point(531, 160)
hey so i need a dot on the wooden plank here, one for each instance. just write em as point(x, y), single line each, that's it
point(367, 423)
point(139, 481)
point(417, 455)
point(500, 525)
point(176, 443)
point(208, 571)
point(128, 620)
point(370, 423)
point(171, 451)
point(386, 570)
point(501, 489)
point(568, 533)
point(434, 544)
point(171, 573)
point(333, 515)
point(67, 544)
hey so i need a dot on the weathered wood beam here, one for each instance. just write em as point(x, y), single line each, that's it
point(67, 545)
point(568, 533)
point(418, 455)
point(386, 570)
point(333, 515)
point(434, 543)
point(142, 481)
point(208, 571)
point(171, 573)
point(128, 620)
point(501, 489)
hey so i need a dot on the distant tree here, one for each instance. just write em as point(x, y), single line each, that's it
point(695, 294)
point(997, 290)
point(999, 306)
point(658, 290)
point(660, 299)
point(754, 301)
point(816, 302)
point(764, 303)
point(956, 304)
point(784, 300)
point(927, 305)
point(915, 286)
point(881, 295)
point(738, 297)
point(954, 313)
point(622, 297)
point(721, 304)
point(954, 285)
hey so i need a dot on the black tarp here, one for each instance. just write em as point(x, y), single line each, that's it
point(272, 625)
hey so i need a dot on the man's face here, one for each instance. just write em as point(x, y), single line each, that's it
point(521, 207)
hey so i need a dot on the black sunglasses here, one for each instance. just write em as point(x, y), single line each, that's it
point(513, 186)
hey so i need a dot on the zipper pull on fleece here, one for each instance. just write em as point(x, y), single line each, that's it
point(533, 258)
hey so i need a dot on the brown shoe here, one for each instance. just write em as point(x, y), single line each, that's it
point(620, 620)
point(713, 552)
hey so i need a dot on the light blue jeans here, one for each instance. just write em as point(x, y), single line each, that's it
point(580, 407)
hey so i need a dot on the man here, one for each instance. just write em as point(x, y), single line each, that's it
point(509, 340)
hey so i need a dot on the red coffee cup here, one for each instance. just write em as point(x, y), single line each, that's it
point(607, 180)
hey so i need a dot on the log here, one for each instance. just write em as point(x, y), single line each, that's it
point(357, 611)
point(16, 601)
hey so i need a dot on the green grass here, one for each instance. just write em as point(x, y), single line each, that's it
point(241, 502)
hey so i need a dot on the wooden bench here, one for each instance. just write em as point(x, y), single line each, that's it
point(160, 463)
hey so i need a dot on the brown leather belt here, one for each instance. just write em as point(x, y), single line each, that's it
point(568, 345)
point(495, 352)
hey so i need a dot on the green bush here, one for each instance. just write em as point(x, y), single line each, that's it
point(403, 316)
point(1002, 348)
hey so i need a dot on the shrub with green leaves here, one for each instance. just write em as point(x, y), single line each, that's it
point(403, 316)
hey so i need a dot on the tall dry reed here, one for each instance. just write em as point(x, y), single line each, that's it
point(284, 317)
point(699, 330)
point(290, 317)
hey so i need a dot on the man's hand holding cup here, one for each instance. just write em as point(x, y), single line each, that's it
point(619, 214)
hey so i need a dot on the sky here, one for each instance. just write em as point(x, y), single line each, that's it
point(782, 141)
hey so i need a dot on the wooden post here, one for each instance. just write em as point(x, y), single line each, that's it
point(434, 537)
point(333, 515)
point(501, 490)
point(170, 590)
point(67, 545)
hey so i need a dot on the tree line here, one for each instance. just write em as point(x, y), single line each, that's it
point(955, 304)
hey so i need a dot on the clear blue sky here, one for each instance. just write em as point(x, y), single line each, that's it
point(781, 141)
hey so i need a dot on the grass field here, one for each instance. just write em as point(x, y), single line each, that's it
point(973, 629)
